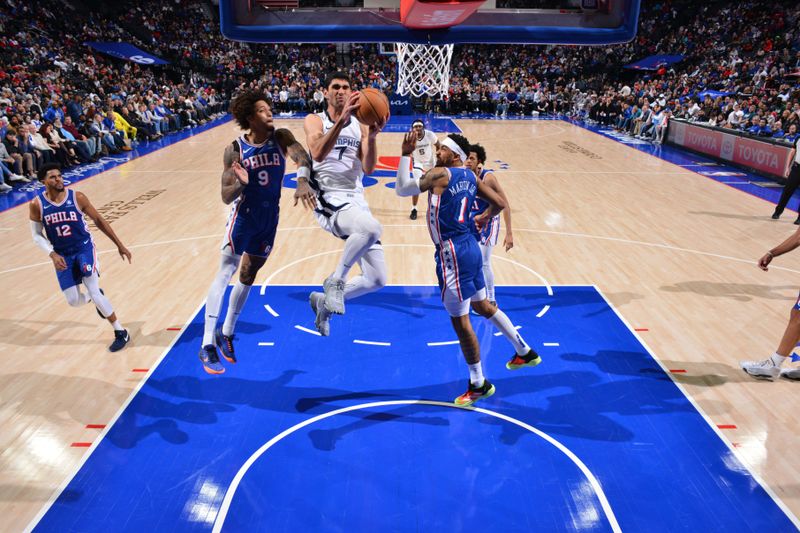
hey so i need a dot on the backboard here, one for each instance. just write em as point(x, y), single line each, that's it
point(586, 22)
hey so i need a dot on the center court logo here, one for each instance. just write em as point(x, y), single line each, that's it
point(385, 169)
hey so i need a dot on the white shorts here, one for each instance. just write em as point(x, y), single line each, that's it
point(456, 307)
point(338, 203)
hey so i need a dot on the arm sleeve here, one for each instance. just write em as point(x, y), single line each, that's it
point(407, 179)
point(39, 239)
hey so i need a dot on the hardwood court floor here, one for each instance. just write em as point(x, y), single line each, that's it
point(673, 251)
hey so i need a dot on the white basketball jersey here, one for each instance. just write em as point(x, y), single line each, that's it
point(424, 154)
point(341, 169)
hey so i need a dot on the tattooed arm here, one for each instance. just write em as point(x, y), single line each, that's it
point(302, 159)
point(234, 175)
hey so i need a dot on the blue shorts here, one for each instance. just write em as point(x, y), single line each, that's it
point(80, 264)
point(459, 268)
point(797, 303)
point(251, 232)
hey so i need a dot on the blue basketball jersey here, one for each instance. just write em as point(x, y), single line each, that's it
point(480, 205)
point(449, 213)
point(265, 164)
point(491, 230)
point(63, 223)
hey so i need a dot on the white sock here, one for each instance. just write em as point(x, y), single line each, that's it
point(213, 304)
point(117, 326)
point(476, 374)
point(235, 304)
point(358, 285)
point(502, 323)
point(777, 359)
point(488, 273)
point(228, 265)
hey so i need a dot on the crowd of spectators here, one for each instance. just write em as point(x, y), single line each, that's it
point(60, 100)
point(741, 70)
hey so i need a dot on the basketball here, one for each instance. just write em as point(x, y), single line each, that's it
point(374, 107)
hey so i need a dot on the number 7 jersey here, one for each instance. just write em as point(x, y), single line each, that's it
point(449, 213)
point(341, 169)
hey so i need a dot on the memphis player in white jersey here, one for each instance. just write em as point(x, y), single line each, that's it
point(424, 155)
point(489, 235)
point(342, 150)
point(59, 213)
point(252, 179)
point(451, 191)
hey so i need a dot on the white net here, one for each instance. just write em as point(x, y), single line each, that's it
point(423, 69)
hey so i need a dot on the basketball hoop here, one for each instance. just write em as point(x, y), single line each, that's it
point(423, 69)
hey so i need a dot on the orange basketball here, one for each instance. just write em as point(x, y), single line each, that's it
point(374, 107)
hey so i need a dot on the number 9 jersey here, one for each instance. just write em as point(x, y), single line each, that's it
point(253, 220)
point(265, 164)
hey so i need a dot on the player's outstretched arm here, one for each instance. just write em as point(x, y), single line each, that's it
point(494, 183)
point(301, 158)
point(785, 247)
point(37, 229)
point(408, 183)
point(86, 206)
point(234, 175)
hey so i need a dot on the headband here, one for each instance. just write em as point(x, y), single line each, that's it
point(417, 121)
point(450, 143)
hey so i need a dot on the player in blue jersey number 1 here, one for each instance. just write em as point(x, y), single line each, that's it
point(452, 190)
